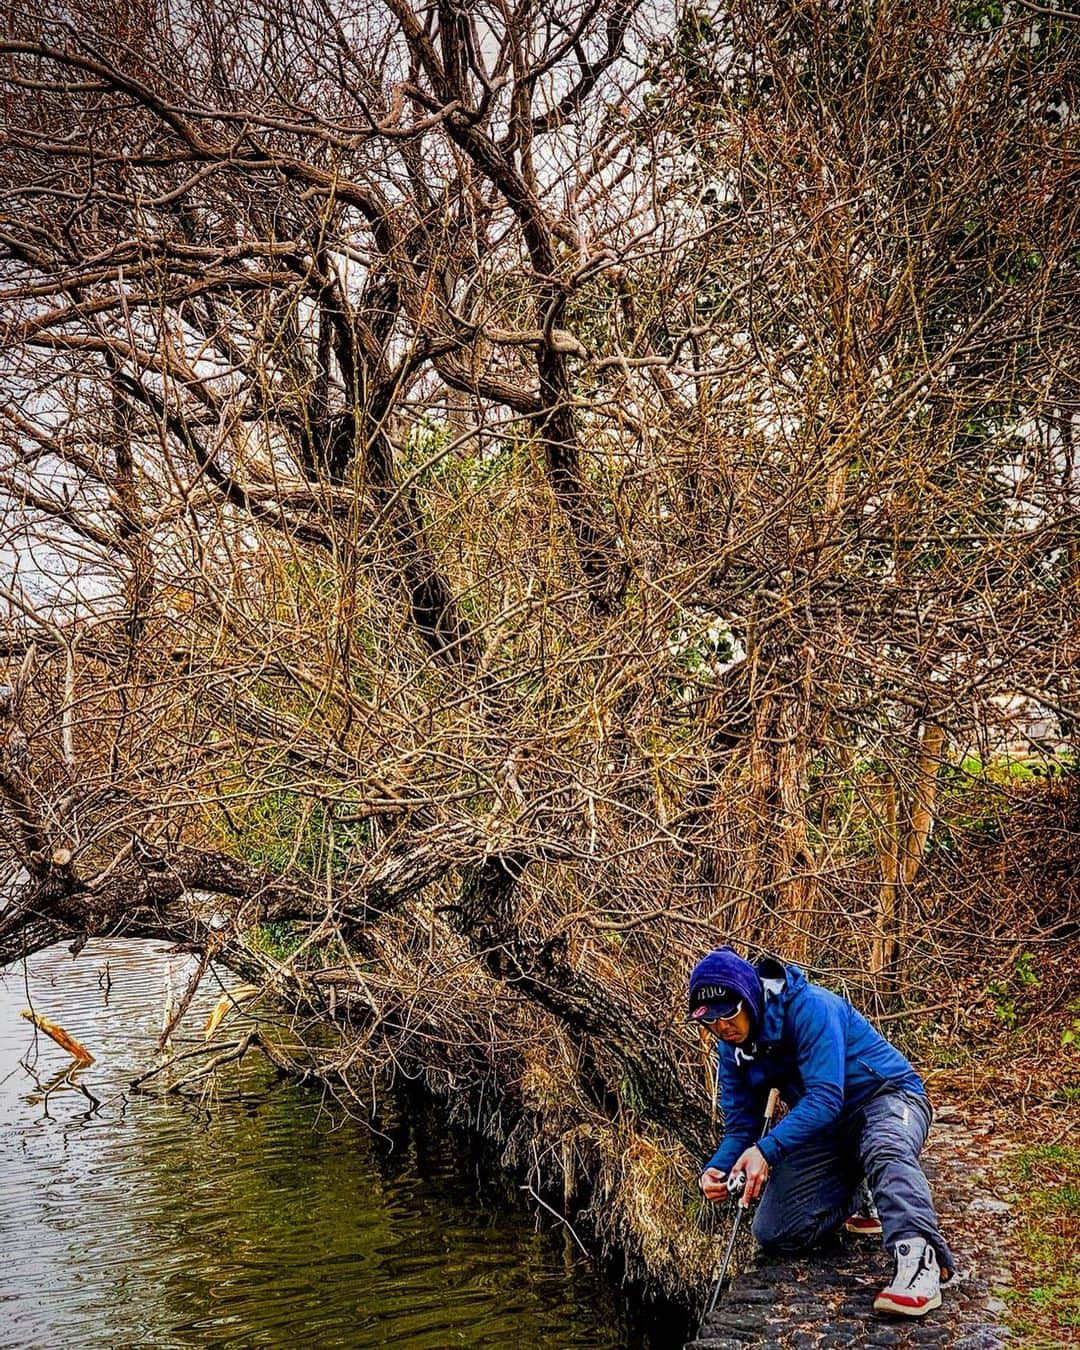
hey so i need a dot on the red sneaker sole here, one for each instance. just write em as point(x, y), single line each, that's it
point(904, 1306)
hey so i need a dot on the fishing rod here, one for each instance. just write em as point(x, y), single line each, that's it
point(736, 1184)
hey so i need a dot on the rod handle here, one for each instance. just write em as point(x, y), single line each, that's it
point(771, 1104)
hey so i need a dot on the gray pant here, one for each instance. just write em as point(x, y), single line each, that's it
point(811, 1191)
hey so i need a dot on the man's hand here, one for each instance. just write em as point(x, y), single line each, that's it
point(753, 1163)
point(713, 1186)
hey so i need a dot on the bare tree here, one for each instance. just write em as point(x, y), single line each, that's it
point(500, 498)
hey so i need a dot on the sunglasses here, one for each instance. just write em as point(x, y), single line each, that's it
point(711, 1022)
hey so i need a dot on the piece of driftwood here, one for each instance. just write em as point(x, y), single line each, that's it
point(60, 1036)
point(238, 995)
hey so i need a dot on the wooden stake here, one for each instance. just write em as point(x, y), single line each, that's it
point(60, 1036)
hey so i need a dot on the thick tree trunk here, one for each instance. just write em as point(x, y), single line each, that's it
point(778, 874)
point(432, 603)
point(649, 1080)
point(906, 831)
point(641, 1074)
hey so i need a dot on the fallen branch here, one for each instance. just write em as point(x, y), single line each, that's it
point(912, 1012)
point(64, 1079)
point(561, 1218)
point(135, 1084)
point(60, 1036)
point(234, 1052)
point(181, 1008)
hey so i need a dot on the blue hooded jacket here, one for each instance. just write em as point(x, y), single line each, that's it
point(825, 1058)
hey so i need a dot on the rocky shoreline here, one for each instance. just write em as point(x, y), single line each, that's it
point(825, 1300)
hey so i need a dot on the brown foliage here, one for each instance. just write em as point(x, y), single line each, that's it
point(500, 500)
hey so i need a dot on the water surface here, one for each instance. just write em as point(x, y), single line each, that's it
point(264, 1215)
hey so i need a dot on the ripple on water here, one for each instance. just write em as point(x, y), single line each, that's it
point(261, 1222)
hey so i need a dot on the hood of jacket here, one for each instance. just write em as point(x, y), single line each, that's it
point(726, 967)
point(771, 1026)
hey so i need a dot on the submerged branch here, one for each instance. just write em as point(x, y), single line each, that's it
point(229, 1055)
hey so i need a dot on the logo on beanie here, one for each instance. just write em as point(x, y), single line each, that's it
point(710, 1001)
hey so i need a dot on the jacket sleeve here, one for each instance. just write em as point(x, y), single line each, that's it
point(737, 1103)
point(820, 1045)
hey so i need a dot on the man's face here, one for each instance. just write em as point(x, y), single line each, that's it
point(734, 1029)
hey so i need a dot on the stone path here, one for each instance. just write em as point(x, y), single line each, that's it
point(824, 1300)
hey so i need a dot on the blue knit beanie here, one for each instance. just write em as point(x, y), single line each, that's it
point(726, 969)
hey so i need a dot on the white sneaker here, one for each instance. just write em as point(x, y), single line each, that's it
point(916, 1283)
point(864, 1220)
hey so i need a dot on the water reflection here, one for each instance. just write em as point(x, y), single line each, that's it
point(265, 1217)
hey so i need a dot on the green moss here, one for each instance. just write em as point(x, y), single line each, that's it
point(279, 940)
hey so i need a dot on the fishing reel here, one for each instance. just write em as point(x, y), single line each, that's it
point(736, 1183)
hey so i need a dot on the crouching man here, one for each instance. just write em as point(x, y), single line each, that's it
point(857, 1110)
